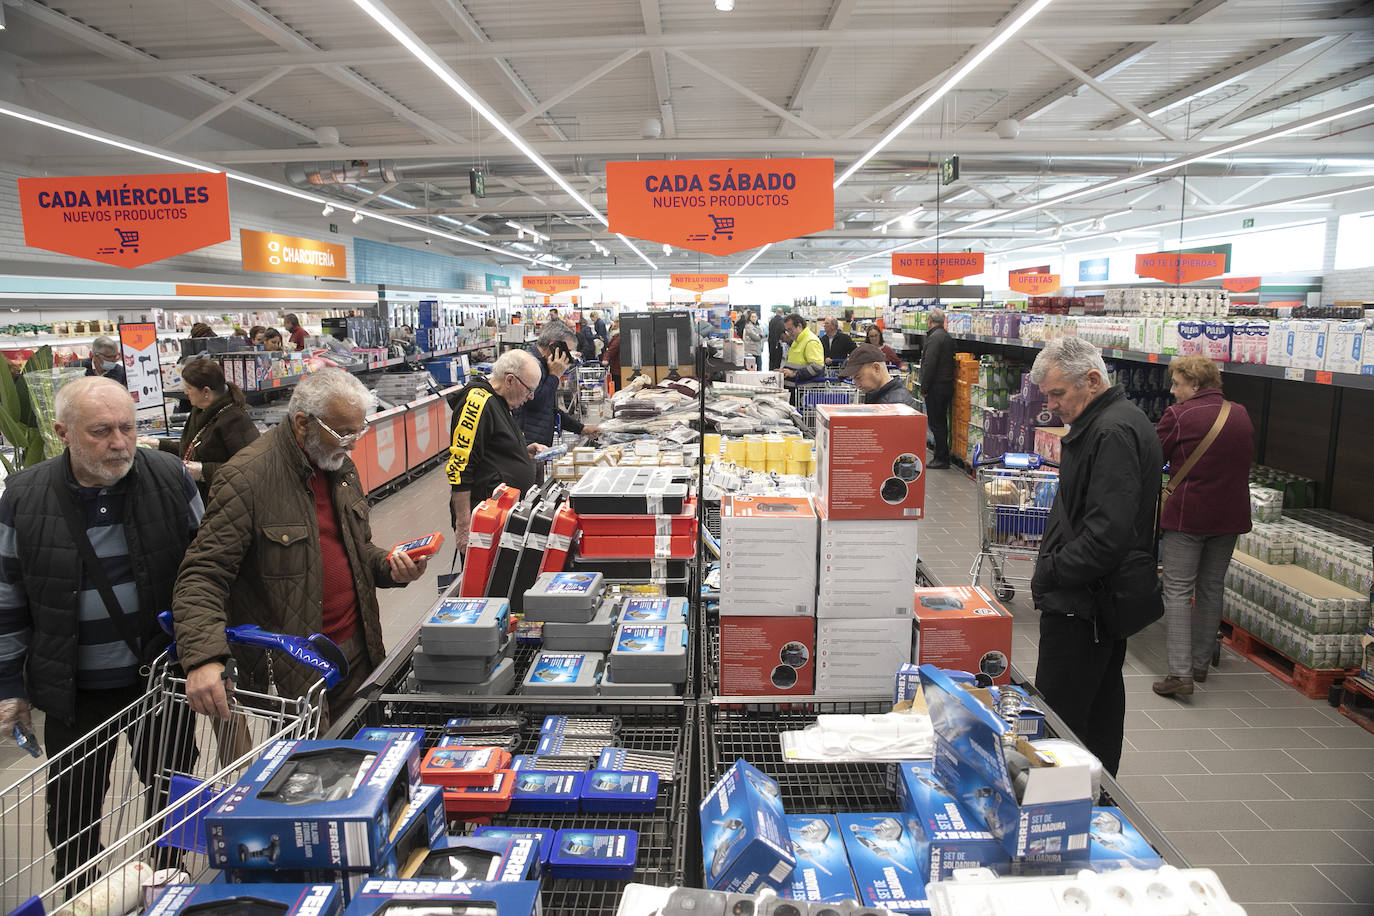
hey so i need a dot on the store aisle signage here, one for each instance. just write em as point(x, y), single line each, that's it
point(551, 285)
point(720, 206)
point(1241, 284)
point(125, 220)
point(699, 283)
point(287, 254)
point(143, 374)
point(937, 268)
point(1179, 266)
point(1035, 284)
point(877, 288)
point(858, 292)
point(1094, 270)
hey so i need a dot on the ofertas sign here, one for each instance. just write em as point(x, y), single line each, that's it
point(698, 283)
point(1035, 284)
point(286, 254)
point(1180, 267)
point(125, 220)
point(720, 206)
point(937, 268)
point(1241, 284)
point(551, 285)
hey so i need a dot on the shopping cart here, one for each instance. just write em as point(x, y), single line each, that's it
point(167, 766)
point(827, 390)
point(1015, 492)
point(591, 395)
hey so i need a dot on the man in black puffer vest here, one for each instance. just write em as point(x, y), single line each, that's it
point(63, 648)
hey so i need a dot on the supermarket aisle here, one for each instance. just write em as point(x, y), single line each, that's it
point(1249, 777)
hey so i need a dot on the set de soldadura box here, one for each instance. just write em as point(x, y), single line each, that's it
point(314, 804)
point(286, 899)
point(503, 898)
point(884, 861)
point(822, 869)
point(744, 838)
point(954, 838)
point(1115, 843)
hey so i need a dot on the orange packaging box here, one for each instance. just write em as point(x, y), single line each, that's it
point(870, 461)
point(767, 656)
point(965, 628)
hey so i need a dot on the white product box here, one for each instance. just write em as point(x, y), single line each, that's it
point(1367, 356)
point(1191, 337)
point(768, 556)
point(1152, 335)
point(1168, 336)
point(1309, 344)
point(1216, 341)
point(867, 568)
point(1280, 349)
point(859, 658)
point(1250, 341)
point(1344, 346)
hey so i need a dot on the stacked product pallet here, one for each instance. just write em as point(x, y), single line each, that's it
point(1027, 410)
point(961, 412)
point(990, 398)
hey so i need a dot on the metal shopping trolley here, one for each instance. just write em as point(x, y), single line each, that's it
point(122, 807)
point(1015, 492)
point(824, 390)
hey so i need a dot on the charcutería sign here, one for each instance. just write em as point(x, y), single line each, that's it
point(937, 268)
point(720, 206)
point(125, 220)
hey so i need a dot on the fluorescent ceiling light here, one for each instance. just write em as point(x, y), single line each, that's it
point(1018, 19)
point(725, 6)
point(642, 255)
point(754, 257)
point(903, 219)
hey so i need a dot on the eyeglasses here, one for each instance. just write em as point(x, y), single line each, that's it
point(344, 441)
point(529, 390)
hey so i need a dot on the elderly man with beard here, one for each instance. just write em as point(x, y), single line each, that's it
point(287, 544)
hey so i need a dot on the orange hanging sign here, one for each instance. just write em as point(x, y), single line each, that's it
point(125, 220)
point(720, 206)
point(551, 284)
point(698, 283)
point(937, 268)
point(287, 254)
point(1180, 267)
point(858, 292)
point(1241, 284)
point(1034, 284)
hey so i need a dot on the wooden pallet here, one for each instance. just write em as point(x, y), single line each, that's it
point(1357, 702)
point(1314, 683)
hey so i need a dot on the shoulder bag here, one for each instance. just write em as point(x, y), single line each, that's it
point(1175, 479)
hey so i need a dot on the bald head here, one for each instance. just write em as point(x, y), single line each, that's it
point(95, 420)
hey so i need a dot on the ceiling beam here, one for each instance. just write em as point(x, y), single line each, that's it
point(1100, 88)
point(1311, 90)
point(838, 16)
point(563, 95)
point(255, 61)
point(1323, 46)
point(894, 107)
point(751, 95)
point(238, 98)
point(658, 65)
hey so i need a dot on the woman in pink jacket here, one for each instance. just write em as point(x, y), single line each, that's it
point(1208, 509)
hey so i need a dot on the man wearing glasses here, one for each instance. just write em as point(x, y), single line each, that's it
point(486, 444)
point(287, 544)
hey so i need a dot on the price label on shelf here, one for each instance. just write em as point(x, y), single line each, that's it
point(1152, 357)
point(1117, 354)
point(1294, 374)
point(1323, 378)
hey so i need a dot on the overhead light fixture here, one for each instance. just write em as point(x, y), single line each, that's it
point(1028, 10)
point(328, 210)
point(752, 258)
point(907, 219)
point(357, 217)
point(667, 250)
point(725, 6)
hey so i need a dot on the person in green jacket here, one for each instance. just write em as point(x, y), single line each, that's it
point(805, 355)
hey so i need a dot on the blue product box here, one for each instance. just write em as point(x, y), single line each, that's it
point(556, 743)
point(822, 871)
point(744, 839)
point(969, 761)
point(581, 727)
point(542, 836)
point(620, 790)
point(391, 734)
point(422, 826)
point(315, 804)
point(1114, 843)
point(546, 790)
point(907, 683)
point(472, 858)
point(608, 854)
point(654, 610)
point(499, 898)
point(285, 899)
point(954, 838)
point(883, 860)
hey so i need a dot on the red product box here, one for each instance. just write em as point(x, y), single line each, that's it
point(458, 766)
point(767, 656)
point(683, 524)
point(638, 547)
point(483, 799)
point(870, 461)
point(965, 628)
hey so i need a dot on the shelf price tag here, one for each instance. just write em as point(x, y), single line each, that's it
point(1323, 378)
point(1294, 374)
point(1152, 357)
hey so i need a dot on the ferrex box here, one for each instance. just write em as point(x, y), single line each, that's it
point(283, 899)
point(314, 804)
point(870, 461)
point(767, 656)
point(499, 898)
point(767, 556)
point(964, 628)
point(745, 844)
point(822, 870)
point(956, 839)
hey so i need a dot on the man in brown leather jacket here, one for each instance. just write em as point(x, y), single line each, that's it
point(286, 544)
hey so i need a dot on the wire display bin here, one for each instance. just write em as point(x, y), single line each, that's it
point(1015, 492)
point(167, 766)
point(810, 395)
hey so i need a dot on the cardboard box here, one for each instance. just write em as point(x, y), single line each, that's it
point(744, 837)
point(1308, 344)
point(822, 870)
point(1051, 822)
point(767, 656)
point(858, 658)
point(1280, 349)
point(768, 556)
point(885, 861)
point(1216, 341)
point(503, 898)
point(964, 628)
point(293, 899)
point(866, 569)
point(264, 822)
point(1367, 354)
point(478, 858)
point(870, 460)
point(956, 838)
point(1345, 346)
point(1114, 843)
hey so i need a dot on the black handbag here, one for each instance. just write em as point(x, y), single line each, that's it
point(1130, 598)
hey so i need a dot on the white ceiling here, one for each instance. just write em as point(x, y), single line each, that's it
point(590, 81)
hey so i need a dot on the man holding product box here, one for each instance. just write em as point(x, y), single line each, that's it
point(1095, 581)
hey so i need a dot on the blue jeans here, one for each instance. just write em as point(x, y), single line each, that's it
point(1194, 570)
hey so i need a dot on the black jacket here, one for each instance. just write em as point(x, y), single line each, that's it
point(157, 528)
point(894, 392)
point(115, 370)
point(838, 348)
point(775, 326)
point(486, 446)
point(212, 436)
point(1109, 477)
point(536, 416)
point(937, 359)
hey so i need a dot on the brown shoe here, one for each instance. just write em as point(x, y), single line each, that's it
point(1174, 687)
point(1200, 676)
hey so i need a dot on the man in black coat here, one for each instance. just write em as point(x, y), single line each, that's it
point(1101, 524)
point(775, 348)
point(937, 384)
point(837, 344)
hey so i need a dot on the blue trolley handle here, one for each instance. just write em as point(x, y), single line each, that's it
point(315, 651)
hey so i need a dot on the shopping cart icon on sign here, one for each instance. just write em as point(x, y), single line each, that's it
point(724, 225)
point(128, 241)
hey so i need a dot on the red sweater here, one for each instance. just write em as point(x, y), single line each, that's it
point(1215, 496)
point(341, 615)
point(298, 337)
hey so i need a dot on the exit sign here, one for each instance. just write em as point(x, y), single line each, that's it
point(1247, 223)
point(949, 170)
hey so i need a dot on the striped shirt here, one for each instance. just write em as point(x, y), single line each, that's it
point(104, 660)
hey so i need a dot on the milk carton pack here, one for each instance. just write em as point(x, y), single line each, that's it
point(1367, 354)
point(1279, 351)
point(1168, 337)
point(1309, 342)
point(1191, 337)
point(1344, 346)
point(1216, 341)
